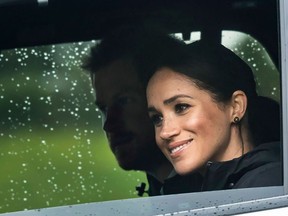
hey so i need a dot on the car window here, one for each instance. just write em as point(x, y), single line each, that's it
point(54, 151)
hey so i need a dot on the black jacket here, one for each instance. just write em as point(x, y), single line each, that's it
point(175, 184)
point(258, 168)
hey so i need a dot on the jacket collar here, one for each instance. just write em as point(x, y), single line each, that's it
point(224, 175)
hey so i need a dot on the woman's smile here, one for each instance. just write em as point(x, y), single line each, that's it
point(176, 148)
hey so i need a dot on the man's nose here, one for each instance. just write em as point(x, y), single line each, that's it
point(112, 119)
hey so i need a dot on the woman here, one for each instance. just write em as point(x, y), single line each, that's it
point(204, 109)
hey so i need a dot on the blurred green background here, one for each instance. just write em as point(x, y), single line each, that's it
point(53, 150)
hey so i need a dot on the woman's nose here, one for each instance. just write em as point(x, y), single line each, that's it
point(169, 129)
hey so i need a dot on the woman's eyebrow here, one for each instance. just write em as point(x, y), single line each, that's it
point(172, 99)
point(168, 101)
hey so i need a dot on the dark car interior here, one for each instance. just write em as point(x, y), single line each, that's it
point(27, 23)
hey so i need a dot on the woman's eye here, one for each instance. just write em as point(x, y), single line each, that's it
point(156, 119)
point(179, 108)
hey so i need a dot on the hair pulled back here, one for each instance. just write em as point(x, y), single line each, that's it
point(214, 68)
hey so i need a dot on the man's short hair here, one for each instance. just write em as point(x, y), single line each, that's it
point(144, 48)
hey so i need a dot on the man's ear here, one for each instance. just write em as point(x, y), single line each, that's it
point(238, 104)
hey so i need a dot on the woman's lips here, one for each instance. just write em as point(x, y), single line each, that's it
point(177, 147)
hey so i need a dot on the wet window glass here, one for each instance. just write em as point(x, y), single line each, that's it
point(255, 55)
point(53, 149)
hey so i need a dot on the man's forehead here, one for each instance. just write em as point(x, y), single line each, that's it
point(115, 79)
point(104, 98)
point(118, 74)
point(117, 68)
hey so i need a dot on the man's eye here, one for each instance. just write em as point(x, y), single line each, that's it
point(125, 100)
point(179, 108)
point(156, 119)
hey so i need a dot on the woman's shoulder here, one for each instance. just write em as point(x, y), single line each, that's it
point(269, 174)
point(259, 168)
point(265, 167)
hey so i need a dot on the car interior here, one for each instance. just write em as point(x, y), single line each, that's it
point(28, 23)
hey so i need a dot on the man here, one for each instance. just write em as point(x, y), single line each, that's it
point(120, 67)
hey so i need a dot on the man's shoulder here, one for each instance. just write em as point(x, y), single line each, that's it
point(175, 184)
point(183, 184)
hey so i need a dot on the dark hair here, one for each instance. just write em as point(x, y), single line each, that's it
point(265, 121)
point(220, 71)
point(143, 47)
point(216, 69)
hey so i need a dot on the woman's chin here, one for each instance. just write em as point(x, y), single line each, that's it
point(185, 169)
point(182, 170)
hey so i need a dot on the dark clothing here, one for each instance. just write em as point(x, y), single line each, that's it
point(174, 184)
point(258, 168)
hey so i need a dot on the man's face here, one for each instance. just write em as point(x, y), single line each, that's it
point(121, 98)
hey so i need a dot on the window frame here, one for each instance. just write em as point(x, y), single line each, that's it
point(218, 202)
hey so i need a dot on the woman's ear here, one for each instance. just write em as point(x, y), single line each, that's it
point(239, 105)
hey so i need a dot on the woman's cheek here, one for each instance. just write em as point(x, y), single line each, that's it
point(159, 141)
point(193, 123)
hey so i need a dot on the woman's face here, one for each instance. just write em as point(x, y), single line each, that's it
point(190, 127)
